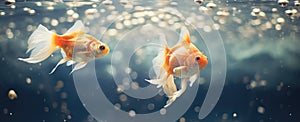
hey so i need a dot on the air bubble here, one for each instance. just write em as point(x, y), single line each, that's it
point(256, 10)
point(54, 22)
point(296, 3)
point(134, 85)
point(280, 20)
point(211, 5)
point(197, 109)
point(283, 3)
point(260, 109)
point(117, 106)
point(225, 116)
point(124, 2)
point(131, 113)
point(234, 115)
point(70, 12)
point(31, 11)
point(10, 2)
point(2, 13)
point(123, 97)
point(107, 2)
point(28, 80)
point(75, 15)
point(182, 119)
point(163, 111)
point(150, 106)
point(90, 11)
point(12, 94)
point(112, 32)
point(199, 2)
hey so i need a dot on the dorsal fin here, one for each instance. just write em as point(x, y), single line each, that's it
point(162, 39)
point(78, 26)
point(184, 36)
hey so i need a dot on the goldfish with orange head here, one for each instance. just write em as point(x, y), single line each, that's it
point(184, 60)
point(76, 46)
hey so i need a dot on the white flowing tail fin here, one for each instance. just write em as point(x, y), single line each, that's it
point(169, 87)
point(40, 44)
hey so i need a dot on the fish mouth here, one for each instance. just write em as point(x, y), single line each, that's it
point(107, 50)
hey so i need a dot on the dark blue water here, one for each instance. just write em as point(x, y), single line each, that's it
point(261, 83)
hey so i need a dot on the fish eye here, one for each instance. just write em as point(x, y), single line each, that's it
point(197, 58)
point(102, 47)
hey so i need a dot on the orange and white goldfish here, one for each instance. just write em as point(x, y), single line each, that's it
point(76, 46)
point(184, 60)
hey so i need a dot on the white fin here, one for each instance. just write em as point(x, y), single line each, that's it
point(179, 69)
point(78, 26)
point(157, 63)
point(78, 66)
point(170, 101)
point(176, 94)
point(63, 54)
point(159, 82)
point(184, 33)
point(182, 89)
point(159, 59)
point(59, 63)
point(70, 62)
point(169, 87)
point(162, 39)
point(193, 79)
point(161, 76)
point(40, 44)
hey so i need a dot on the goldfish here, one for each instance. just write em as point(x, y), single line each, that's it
point(184, 60)
point(76, 46)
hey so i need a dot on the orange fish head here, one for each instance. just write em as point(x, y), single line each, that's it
point(101, 49)
point(198, 59)
point(202, 60)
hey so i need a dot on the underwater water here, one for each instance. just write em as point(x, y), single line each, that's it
point(252, 73)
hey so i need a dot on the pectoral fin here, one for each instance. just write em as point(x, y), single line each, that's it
point(179, 70)
point(78, 66)
point(69, 63)
point(193, 79)
point(158, 82)
point(59, 63)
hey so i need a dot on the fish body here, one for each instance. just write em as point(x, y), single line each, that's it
point(184, 60)
point(76, 46)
